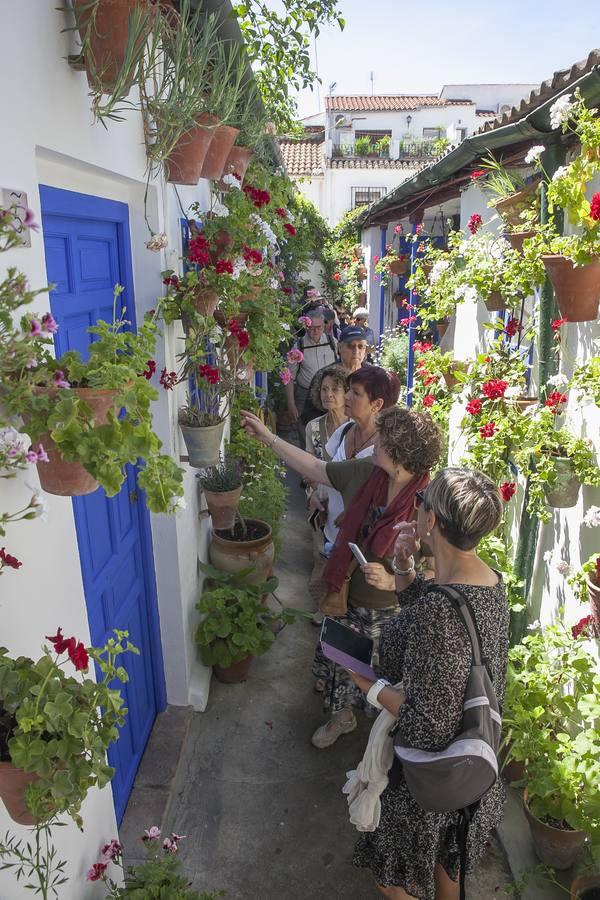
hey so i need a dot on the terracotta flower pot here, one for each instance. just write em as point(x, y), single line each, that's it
point(400, 299)
point(238, 162)
point(564, 493)
point(223, 506)
point(361, 272)
point(586, 887)
point(206, 302)
point(71, 479)
point(184, 163)
point(108, 36)
point(594, 598)
point(13, 782)
point(220, 148)
point(398, 267)
point(516, 239)
point(233, 552)
point(495, 302)
point(357, 251)
point(203, 444)
point(577, 288)
point(556, 847)
point(511, 207)
point(441, 328)
point(511, 771)
point(235, 673)
point(220, 319)
point(449, 376)
point(523, 402)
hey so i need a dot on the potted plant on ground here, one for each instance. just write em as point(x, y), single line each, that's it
point(55, 727)
point(237, 625)
point(222, 487)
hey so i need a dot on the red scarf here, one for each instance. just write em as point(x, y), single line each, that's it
point(382, 536)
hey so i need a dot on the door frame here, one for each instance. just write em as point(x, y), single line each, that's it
point(71, 204)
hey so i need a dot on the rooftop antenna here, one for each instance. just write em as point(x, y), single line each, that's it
point(372, 79)
point(332, 87)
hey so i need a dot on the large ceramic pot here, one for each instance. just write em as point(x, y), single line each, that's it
point(235, 673)
point(218, 152)
point(510, 208)
point(586, 887)
point(223, 507)
point(108, 36)
point(398, 267)
point(13, 783)
point(203, 444)
point(577, 288)
point(516, 239)
point(232, 552)
point(564, 493)
point(71, 479)
point(495, 302)
point(184, 163)
point(556, 847)
point(237, 162)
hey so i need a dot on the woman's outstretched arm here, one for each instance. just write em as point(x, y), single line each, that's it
point(312, 469)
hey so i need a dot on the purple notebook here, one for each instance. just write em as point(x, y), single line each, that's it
point(347, 648)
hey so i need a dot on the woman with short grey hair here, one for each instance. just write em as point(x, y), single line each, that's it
point(413, 853)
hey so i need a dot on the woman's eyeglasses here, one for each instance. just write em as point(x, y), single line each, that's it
point(419, 499)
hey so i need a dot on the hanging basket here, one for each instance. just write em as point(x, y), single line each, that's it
point(184, 163)
point(577, 288)
point(13, 783)
point(203, 444)
point(556, 847)
point(495, 302)
point(237, 162)
point(565, 491)
point(108, 37)
point(71, 479)
point(441, 328)
point(398, 267)
point(516, 239)
point(223, 506)
point(510, 208)
point(218, 152)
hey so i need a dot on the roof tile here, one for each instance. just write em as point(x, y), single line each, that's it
point(387, 102)
point(302, 157)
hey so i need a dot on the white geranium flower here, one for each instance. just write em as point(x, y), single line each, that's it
point(38, 505)
point(232, 181)
point(438, 267)
point(534, 153)
point(562, 567)
point(548, 555)
point(12, 440)
point(560, 173)
point(533, 626)
point(285, 326)
point(592, 517)
point(513, 391)
point(274, 283)
point(560, 111)
point(177, 504)
point(559, 380)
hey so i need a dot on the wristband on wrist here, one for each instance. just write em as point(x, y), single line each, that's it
point(272, 444)
point(374, 691)
point(401, 572)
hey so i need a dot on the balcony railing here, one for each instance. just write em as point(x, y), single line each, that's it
point(358, 149)
point(409, 149)
point(420, 149)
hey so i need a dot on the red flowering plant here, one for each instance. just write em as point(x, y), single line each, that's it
point(437, 279)
point(394, 261)
point(57, 722)
point(433, 385)
point(587, 579)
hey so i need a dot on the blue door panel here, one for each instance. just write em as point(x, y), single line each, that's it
point(86, 255)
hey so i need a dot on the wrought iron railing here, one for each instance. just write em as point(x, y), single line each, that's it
point(357, 149)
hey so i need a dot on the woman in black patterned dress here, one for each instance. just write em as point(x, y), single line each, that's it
point(414, 853)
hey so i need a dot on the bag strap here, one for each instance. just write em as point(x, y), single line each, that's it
point(465, 817)
point(465, 612)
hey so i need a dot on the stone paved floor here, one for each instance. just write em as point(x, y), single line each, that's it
point(261, 808)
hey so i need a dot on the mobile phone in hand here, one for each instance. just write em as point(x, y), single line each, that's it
point(358, 554)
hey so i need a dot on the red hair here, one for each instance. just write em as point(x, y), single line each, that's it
point(379, 384)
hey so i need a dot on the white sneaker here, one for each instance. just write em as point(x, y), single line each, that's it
point(339, 724)
point(317, 618)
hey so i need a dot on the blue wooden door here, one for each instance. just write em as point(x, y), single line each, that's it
point(87, 253)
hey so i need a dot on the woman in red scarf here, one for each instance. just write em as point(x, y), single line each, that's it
point(378, 493)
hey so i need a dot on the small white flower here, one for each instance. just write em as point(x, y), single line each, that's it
point(548, 555)
point(560, 111)
point(177, 503)
point(533, 626)
point(11, 439)
point(559, 380)
point(232, 181)
point(531, 410)
point(38, 504)
point(513, 391)
point(274, 283)
point(157, 242)
point(562, 567)
point(560, 173)
point(438, 267)
point(285, 326)
point(534, 153)
point(592, 517)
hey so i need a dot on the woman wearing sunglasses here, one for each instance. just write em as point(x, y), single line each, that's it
point(378, 492)
point(413, 853)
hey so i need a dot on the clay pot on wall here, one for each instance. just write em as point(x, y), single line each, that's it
point(238, 162)
point(203, 444)
point(398, 267)
point(556, 847)
point(206, 302)
point(13, 783)
point(495, 302)
point(586, 887)
point(108, 24)
point(564, 493)
point(184, 163)
point(223, 507)
point(218, 152)
point(516, 239)
point(577, 288)
point(510, 208)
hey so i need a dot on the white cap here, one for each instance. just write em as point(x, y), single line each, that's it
point(361, 312)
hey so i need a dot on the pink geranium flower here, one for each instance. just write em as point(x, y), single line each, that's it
point(286, 376)
point(295, 355)
point(59, 379)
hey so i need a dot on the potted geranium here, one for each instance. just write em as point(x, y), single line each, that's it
point(511, 195)
point(586, 585)
point(56, 725)
point(437, 279)
point(222, 488)
point(392, 263)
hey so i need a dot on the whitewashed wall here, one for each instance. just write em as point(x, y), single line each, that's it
point(48, 138)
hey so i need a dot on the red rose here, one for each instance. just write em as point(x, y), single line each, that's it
point(7, 560)
point(474, 406)
point(494, 388)
point(554, 401)
point(79, 656)
point(428, 400)
point(290, 229)
point(512, 326)
point(477, 173)
point(508, 490)
point(487, 430)
point(475, 223)
point(224, 266)
point(595, 207)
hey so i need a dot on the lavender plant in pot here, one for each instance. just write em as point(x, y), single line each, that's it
point(222, 487)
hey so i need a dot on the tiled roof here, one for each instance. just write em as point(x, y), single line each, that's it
point(372, 164)
point(302, 157)
point(547, 89)
point(486, 113)
point(388, 102)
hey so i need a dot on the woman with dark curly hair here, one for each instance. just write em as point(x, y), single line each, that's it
point(378, 493)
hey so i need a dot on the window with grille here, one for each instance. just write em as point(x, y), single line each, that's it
point(432, 134)
point(366, 195)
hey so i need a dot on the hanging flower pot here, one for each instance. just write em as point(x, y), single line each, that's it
point(206, 302)
point(593, 589)
point(223, 507)
point(586, 887)
point(400, 300)
point(244, 548)
point(516, 239)
point(357, 251)
point(220, 148)
point(441, 328)
point(495, 302)
point(237, 163)
point(203, 443)
point(104, 26)
point(361, 273)
point(449, 377)
point(13, 783)
point(510, 208)
point(564, 493)
point(523, 402)
point(220, 319)
point(556, 847)
point(398, 266)
point(427, 269)
point(184, 163)
point(71, 479)
point(234, 674)
point(577, 288)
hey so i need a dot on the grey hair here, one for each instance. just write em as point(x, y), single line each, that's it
point(317, 313)
point(467, 505)
point(339, 375)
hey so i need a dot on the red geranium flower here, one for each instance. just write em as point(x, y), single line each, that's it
point(259, 198)
point(487, 430)
point(290, 229)
point(168, 379)
point(477, 173)
point(474, 406)
point(243, 339)
point(494, 388)
point(7, 560)
point(508, 490)
point(585, 627)
point(595, 207)
point(96, 872)
point(209, 373)
point(60, 642)
point(422, 346)
point(254, 257)
point(475, 223)
point(428, 400)
point(224, 266)
point(79, 656)
point(286, 290)
point(431, 379)
point(198, 250)
point(172, 281)
point(511, 327)
point(558, 323)
point(149, 370)
point(336, 276)
point(554, 401)
point(281, 212)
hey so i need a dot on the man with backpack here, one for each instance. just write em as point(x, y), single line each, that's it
point(317, 350)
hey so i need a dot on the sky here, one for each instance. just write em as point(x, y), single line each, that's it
point(417, 48)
